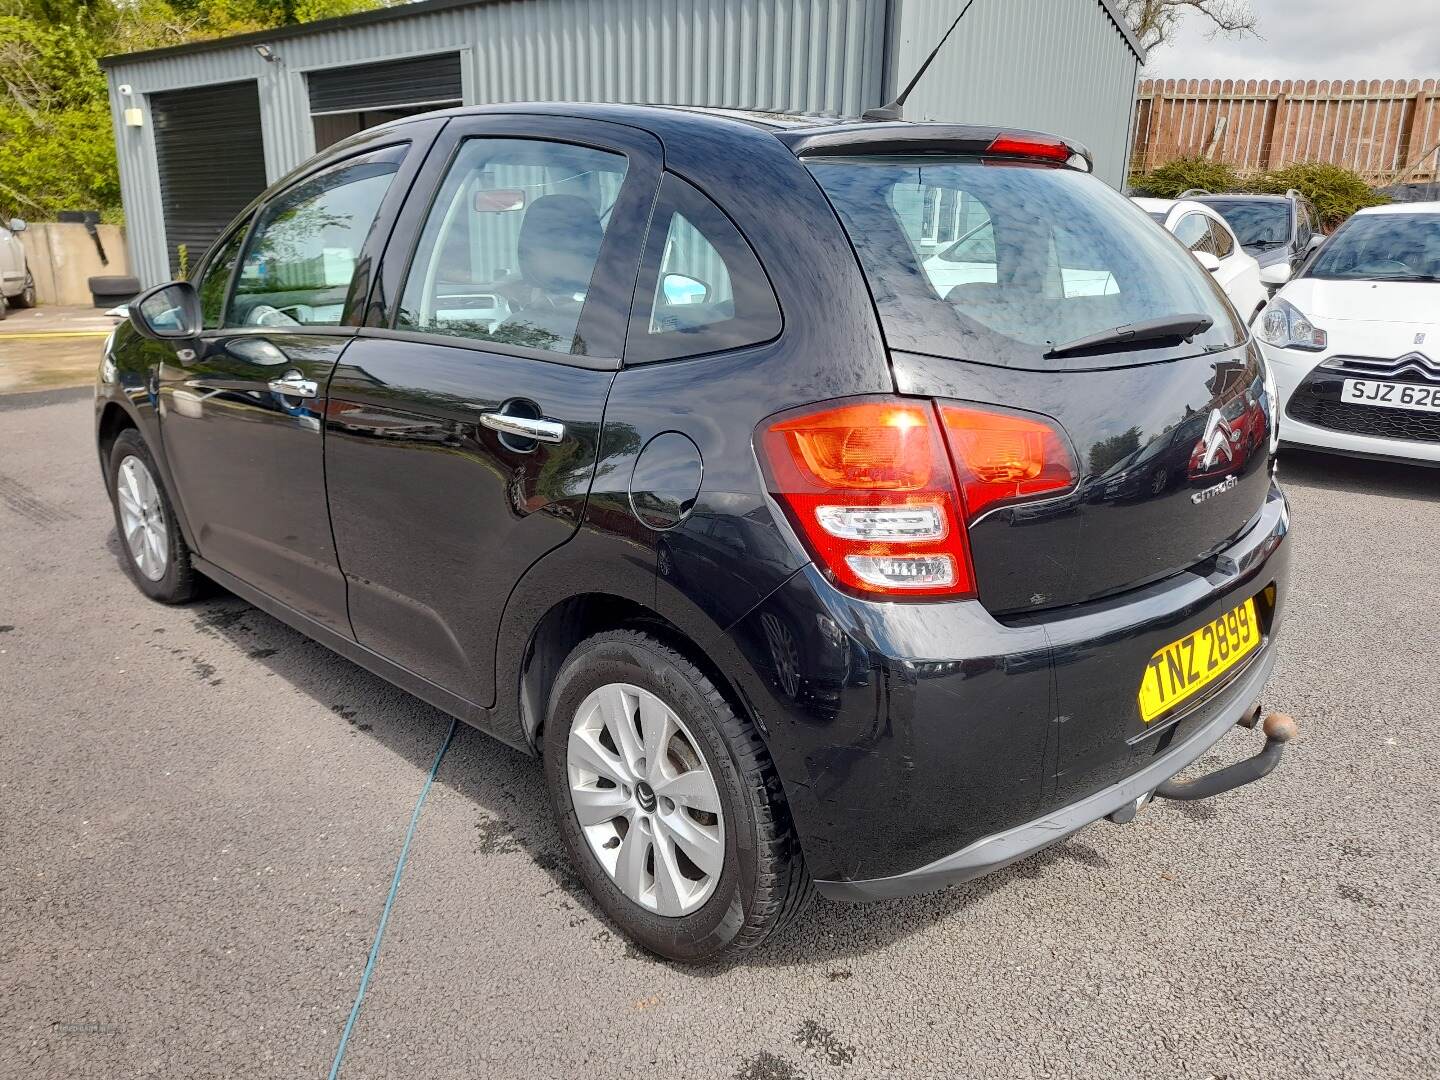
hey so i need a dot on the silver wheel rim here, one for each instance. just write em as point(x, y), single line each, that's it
point(142, 518)
point(646, 799)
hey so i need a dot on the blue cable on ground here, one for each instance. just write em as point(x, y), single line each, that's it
point(389, 902)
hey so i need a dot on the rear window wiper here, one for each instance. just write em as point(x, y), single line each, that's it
point(1170, 328)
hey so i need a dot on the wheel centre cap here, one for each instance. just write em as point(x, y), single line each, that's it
point(645, 795)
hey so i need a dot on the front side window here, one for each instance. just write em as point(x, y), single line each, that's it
point(1220, 239)
point(705, 286)
point(300, 261)
point(1193, 230)
point(217, 278)
point(1042, 257)
point(511, 243)
point(1382, 247)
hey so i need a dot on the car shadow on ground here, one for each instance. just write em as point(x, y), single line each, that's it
point(507, 789)
point(1366, 476)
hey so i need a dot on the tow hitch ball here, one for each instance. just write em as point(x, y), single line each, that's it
point(1279, 729)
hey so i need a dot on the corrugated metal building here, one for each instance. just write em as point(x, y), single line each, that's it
point(202, 128)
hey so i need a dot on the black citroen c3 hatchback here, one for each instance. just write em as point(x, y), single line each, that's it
point(851, 506)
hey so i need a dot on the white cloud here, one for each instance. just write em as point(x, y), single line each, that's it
point(1312, 39)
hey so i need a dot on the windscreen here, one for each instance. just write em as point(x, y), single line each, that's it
point(1383, 247)
point(1257, 224)
point(1000, 263)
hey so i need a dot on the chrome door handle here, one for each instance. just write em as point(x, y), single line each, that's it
point(293, 384)
point(523, 426)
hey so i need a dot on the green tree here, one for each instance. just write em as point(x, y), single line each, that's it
point(57, 143)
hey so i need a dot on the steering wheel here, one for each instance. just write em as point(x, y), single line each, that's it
point(265, 315)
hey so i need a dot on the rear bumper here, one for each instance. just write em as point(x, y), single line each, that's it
point(991, 853)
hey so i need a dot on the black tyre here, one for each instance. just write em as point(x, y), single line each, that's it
point(26, 299)
point(151, 545)
point(667, 801)
point(4, 306)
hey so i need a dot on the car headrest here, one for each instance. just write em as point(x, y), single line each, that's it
point(559, 241)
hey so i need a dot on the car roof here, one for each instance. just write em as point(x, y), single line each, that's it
point(1402, 208)
point(1243, 196)
point(804, 133)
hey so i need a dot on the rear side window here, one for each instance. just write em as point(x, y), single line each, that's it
point(511, 243)
point(703, 288)
point(301, 257)
point(1043, 257)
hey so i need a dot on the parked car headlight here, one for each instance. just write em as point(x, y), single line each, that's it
point(1284, 325)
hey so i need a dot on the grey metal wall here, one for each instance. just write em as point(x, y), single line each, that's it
point(821, 56)
point(1062, 66)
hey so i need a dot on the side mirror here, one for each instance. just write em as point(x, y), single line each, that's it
point(1275, 275)
point(1316, 239)
point(17, 224)
point(684, 289)
point(168, 312)
point(1208, 261)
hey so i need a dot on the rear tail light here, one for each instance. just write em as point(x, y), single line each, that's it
point(873, 491)
point(1003, 457)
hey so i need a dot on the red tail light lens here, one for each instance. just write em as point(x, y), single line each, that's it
point(1030, 147)
point(880, 502)
point(870, 489)
point(1002, 457)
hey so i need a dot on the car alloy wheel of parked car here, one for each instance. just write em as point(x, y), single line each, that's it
point(862, 576)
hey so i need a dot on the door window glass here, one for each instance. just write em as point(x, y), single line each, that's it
point(1194, 232)
point(706, 288)
point(1220, 239)
point(216, 278)
point(511, 243)
point(300, 261)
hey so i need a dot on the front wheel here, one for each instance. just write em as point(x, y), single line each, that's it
point(667, 801)
point(26, 299)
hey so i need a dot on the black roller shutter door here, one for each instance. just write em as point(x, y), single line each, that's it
point(211, 162)
point(421, 80)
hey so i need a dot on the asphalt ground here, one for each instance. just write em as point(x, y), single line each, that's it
point(201, 811)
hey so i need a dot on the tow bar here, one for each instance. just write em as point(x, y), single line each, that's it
point(1279, 729)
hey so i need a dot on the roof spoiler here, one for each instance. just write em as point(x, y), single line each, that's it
point(846, 140)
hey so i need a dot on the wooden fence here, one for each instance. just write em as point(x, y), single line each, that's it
point(1384, 129)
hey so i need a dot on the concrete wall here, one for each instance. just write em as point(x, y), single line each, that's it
point(62, 258)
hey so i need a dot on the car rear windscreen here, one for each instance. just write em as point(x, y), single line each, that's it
point(999, 263)
point(1259, 224)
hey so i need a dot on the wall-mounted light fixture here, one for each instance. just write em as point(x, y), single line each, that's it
point(132, 115)
point(267, 54)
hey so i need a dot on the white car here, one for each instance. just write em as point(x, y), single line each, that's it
point(1212, 241)
point(970, 260)
point(17, 287)
point(1353, 341)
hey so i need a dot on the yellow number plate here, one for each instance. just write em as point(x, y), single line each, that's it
point(1183, 668)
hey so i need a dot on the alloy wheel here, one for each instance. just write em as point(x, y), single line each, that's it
point(142, 517)
point(646, 799)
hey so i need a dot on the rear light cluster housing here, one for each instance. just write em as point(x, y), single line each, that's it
point(883, 490)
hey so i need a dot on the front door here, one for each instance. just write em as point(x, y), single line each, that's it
point(463, 426)
point(241, 414)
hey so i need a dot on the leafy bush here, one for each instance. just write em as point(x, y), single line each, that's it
point(1169, 180)
point(1336, 192)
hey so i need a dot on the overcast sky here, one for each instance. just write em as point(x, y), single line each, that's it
point(1312, 39)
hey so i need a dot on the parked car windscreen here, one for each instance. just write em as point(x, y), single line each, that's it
point(1258, 224)
point(1382, 247)
point(1052, 255)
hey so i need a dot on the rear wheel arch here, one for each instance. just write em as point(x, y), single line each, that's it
point(113, 420)
point(575, 619)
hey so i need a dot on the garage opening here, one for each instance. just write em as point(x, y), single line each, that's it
point(344, 101)
point(210, 160)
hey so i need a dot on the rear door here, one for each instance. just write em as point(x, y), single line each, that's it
point(241, 412)
point(463, 423)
